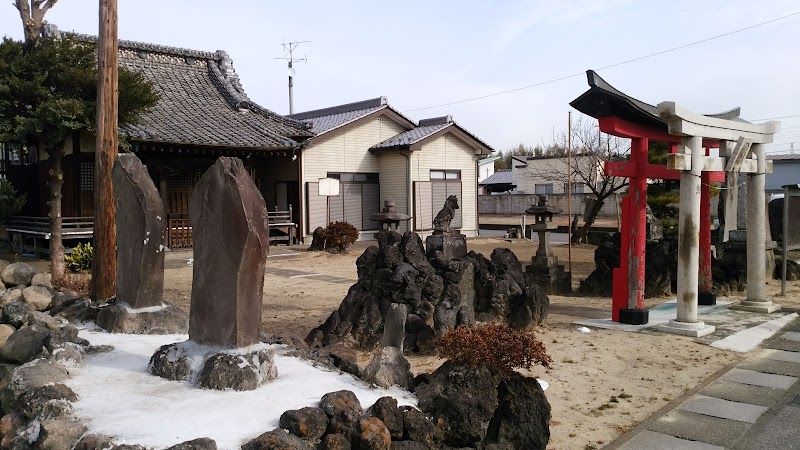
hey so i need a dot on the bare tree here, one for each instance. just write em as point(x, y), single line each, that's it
point(32, 14)
point(590, 150)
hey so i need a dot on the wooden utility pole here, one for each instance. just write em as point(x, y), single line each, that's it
point(569, 191)
point(104, 265)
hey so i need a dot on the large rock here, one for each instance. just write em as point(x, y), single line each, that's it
point(203, 443)
point(231, 243)
point(17, 274)
point(34, 375)
point(464, 398)
point(24, 344)
point(37, 400)
point(16, 313)
point(417, 427)
point(343, 410)
point(240, 372)
point(276, 439)
point(522, 419)
point(11, 295)
point(39, 297)
point(529, 309)
point(120, 318)
point(5, 332)
point(394, 329)
point(371, 434)
point(140, 248)
point(389, 368)
point(59, 434)
point(80, 309)
point(386, 409)
point(792, 270)
point(334, 441)
point(307, 423)
point(42, 279)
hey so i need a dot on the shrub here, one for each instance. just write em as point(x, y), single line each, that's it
point(10, 201)
point(80, 258)
point(494, 345)
point(339, 236)
point(80, 283)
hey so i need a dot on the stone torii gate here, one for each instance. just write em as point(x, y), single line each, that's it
point(748, 156)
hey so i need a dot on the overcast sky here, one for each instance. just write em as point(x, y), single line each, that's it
point(426, 53)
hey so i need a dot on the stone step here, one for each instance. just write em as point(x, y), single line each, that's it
point(745, 393)
point(724, 409)
point(652, 440)
point(759, 379)
point(700, 427)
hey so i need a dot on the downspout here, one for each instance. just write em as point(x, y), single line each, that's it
point(477, 195)
point(301, 227)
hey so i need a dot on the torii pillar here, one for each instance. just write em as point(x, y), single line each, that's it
point(692, 162)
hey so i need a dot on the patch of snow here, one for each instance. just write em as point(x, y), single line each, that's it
point(149, 309)
point(119, 398)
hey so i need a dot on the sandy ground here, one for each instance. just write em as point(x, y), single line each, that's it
point(601, 384)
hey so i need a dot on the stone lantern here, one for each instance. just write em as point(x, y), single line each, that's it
point(547, 272)
point(388, 217)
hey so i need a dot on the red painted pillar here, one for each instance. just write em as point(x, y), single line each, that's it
point(628, 289)
point(704, 279)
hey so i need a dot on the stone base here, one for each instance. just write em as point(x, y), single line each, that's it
point(706, 298)
point(121, 318)
point(553, 280)
point(243, 369)
point(696, 329)
point(452, 246)
point(634, 316)
point(757, 307)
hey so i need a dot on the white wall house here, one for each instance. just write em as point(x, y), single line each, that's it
point(541, 175)
point(785, 170)
point(378, 153)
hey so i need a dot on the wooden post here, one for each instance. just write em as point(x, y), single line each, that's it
point(104, 266)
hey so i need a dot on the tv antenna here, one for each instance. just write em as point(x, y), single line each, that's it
point(288, 56)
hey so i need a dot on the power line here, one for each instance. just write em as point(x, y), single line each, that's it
point(775, 118)
point(608, 66)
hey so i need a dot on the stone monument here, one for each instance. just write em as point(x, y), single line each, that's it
point(139, 307)
point(231, 243)
point(445, 239)
point(547, 273)
point(389, 218)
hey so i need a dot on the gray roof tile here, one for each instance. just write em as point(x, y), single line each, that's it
point(202, 101)
point(502, 176)
point(411, 136)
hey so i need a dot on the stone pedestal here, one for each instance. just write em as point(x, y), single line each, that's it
point(552, 279)
point(693, 329)
point(757, 307)
point(452, 246)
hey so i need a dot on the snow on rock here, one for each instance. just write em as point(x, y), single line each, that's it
point(118, 397)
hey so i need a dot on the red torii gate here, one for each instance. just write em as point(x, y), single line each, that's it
point(628, 279)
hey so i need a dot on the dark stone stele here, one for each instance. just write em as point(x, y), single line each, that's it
point(140, 242)
point(231, 244)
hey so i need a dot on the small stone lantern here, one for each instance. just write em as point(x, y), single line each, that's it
point(388, 217)
point(547, 272)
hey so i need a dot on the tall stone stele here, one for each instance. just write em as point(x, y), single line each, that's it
point(231, 243)
point(139, 306)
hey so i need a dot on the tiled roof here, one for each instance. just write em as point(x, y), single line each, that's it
point(326, 119)
point(502, 176)
point(202, 101)
point(784, 157)
point(410, 137)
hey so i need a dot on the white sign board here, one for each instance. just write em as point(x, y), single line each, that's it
point(328, 186)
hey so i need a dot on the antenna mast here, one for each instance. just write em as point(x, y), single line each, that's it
point(288, 56)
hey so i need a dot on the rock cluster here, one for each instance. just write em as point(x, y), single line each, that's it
point(460, 407)
point(437, 294)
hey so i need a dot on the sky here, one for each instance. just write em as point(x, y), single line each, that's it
point(424, 54)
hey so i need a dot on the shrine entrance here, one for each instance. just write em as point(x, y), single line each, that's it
point(690, 141)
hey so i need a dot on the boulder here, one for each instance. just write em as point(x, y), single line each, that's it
point(389, 367)
point(240, 372)
point(171, 361)
point(10, 295)
point(120, 318)
point(408, 445)
point(372, 434)
point(418, 427)
point(522, 418)
point(386, 409)
point(34, 375)
point(529, 309)
point(444, 318)
point(317, 240)
point(463, 398)
point(10, 424)
point(276, 439)
point(343, 410)
point(59, 434)
point(203, 443)
point(42, 279)
point(307, 423)
point(103, 442)
point(39, 297)
point(17, 274)
point(334, 442)
point(16, 313)
point(394, 329)
point(227, 284)
point(78, 309)
point(62, 296)
point(5, 332)
point(24, 344)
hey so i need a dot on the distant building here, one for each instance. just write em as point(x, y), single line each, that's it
point(543, 175)
point(785, 170)
point(500, 181)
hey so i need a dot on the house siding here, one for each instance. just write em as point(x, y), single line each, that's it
point(448, 152)
point(394, 182)
point(783, 172)
point(278, 169)
point(549, 171)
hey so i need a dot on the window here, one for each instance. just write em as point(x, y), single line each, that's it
point(359, 198)
point(543, 188)
point(444, 183)
point(445, 174)
point(577, 188)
